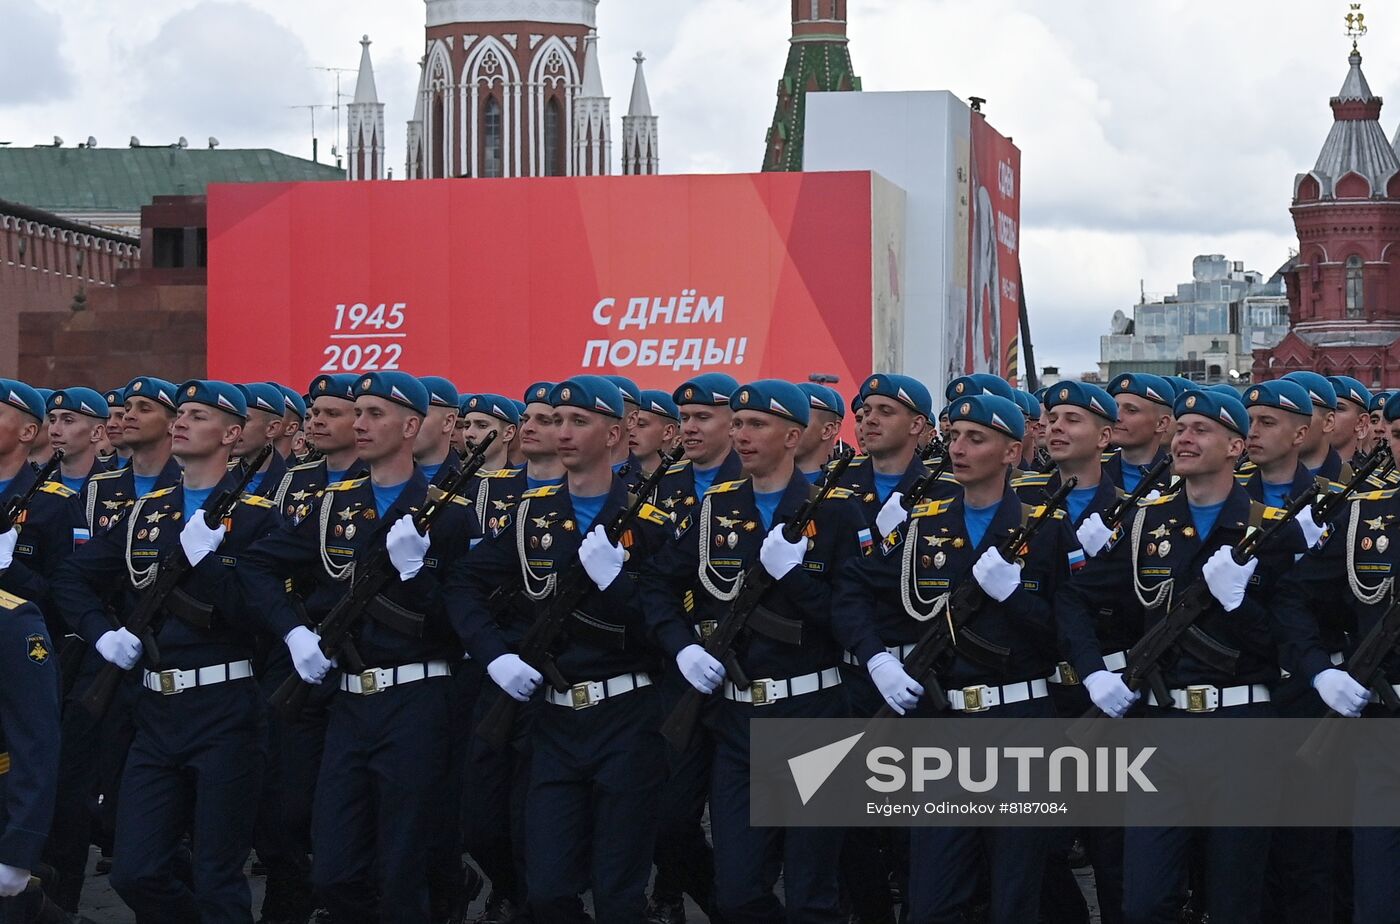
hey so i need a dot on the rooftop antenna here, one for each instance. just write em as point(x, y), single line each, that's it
point(1356, 25)
point(337, 71)
point(977, 102)
point(315, 146)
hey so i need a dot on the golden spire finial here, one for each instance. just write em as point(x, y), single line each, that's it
point(1356, 24)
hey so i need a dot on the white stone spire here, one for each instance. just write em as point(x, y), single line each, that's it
point(365, 124)
point(640, 147)
point(415, 165)
point(592, 117)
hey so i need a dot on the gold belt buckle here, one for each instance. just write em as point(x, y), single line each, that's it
point(167, 683)
point(580, 697)
point(973, 700)
point(1068, 675)
point(369, 682)
point(707, 628)
point(1197, 699)
point(758, 693)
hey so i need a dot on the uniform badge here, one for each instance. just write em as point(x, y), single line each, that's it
point(1164, 548)
point(155, 533)
point(727, 522)
point(155, 517)
point(1377, 523)
point(372, 514)
point(534, 542)
point(940, 558)
point(37, 647)
point(101, 521)
point(869, 498)
point(141, 534)
point(346, 514)
point(959, 542)
point(569, 526)
point(1160, 532)
point(1366, 544)
point(1382, 543)
point(750, 526)
point(111, 505)
point(1189, 532)
point(350, 531)
point(291, 510)
point(547, 540)
point(689, 501)
point(1151, 549)
point(732, 539)
point(925, 561)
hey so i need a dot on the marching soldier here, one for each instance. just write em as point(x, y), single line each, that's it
point(293, 419)
point(1352, 430)
point(709, 451)
point(40, 451)
point(1317, 452)
point(459, 435)
point(624, 461)
point(1280, 414)
point(879, 611)
point(196, 758)
point(432, 451)
point(77, 419)
point(897, 412)
point(597, 758)
point(265, 408)
point(112, 455)
point(29, 718)
point(1033, 458)
point(93, 751)
point(657, 429)
point(1170, 542)
point(539, 439)
point(827, 410)
point(1143, 429)
point(386, 741)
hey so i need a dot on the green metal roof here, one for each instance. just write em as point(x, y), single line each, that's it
point(125, 179)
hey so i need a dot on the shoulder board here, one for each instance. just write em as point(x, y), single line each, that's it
point(256, 500)
point(1386, 494)
point(1330, 487)
point(948, 477)
point(840, 493)
point(348, 484)
point(503, 473)
point(1269, 513)
point(546, 490)
point(58, 488)
point(1243, 477)
point(160, 492)
point(1247, 467)
point(233, 464)
point(678, 467)
point(1035, 510)
point(932, 508)
point(725, 487)
point(305, 466)
point(1031, 479)
point(115, 473)
point(654, 515)
point(9, 601)
point(1107, 456)
point(1161, 500)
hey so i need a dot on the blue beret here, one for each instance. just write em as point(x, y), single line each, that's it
point(773, 396)
point(629, 389)
point(905, 389)
point(498, 406)
point(464, 401)
point(994, 411)
point(115, 397)
point(1027, 403)
point(1090, 397)
point(1041, 392)
point(80, 401)
point(659, 402)
point(24, 397)
point(1391, 411)
point(979, 383)
point(823, 398)
point(538, 392)
point(338, 385)
point(219, 395)
point(1180, 384)
point(399, 387)
point(1284, 394)
point(1144, 385)
point(712, 388)
point(264, 397)
point(441, 392)
point(1223, 389)
point(291, 401)
point(1378, 400)
point(519, 406)
point(1351, 389)
point(590, 392)
point(1319, 389)
point(146, 386)
point(1222, 408)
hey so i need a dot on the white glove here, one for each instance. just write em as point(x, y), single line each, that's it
point(198, 540)
point(699, 668)
point(1340, 691)
point(892, 514)
point(407, 547)
point(120, 647)
point(1226, 579)
point(900, 691)
point(601, 559)
point(1312, 530)
point(311, 665)
point(1110, 693)
point(13, 880)
point(8, 539)
point(997, 576)
point(779, 556)
point(513, 675)
point(1093, 534)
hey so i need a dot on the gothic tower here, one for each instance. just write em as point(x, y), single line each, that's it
point(818, 61)
point(365, 124)
point(640, 146)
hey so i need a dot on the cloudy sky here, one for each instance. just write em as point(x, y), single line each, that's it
point(1150, 131)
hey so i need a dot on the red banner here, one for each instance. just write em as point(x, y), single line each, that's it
point(990, 331)
point(499, 283)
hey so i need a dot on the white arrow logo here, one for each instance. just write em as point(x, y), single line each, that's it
point(812, 769)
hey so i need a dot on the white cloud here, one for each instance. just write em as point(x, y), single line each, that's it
point(35, 68)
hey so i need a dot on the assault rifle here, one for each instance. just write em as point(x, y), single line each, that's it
point(145, 623)
point(754, 584)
